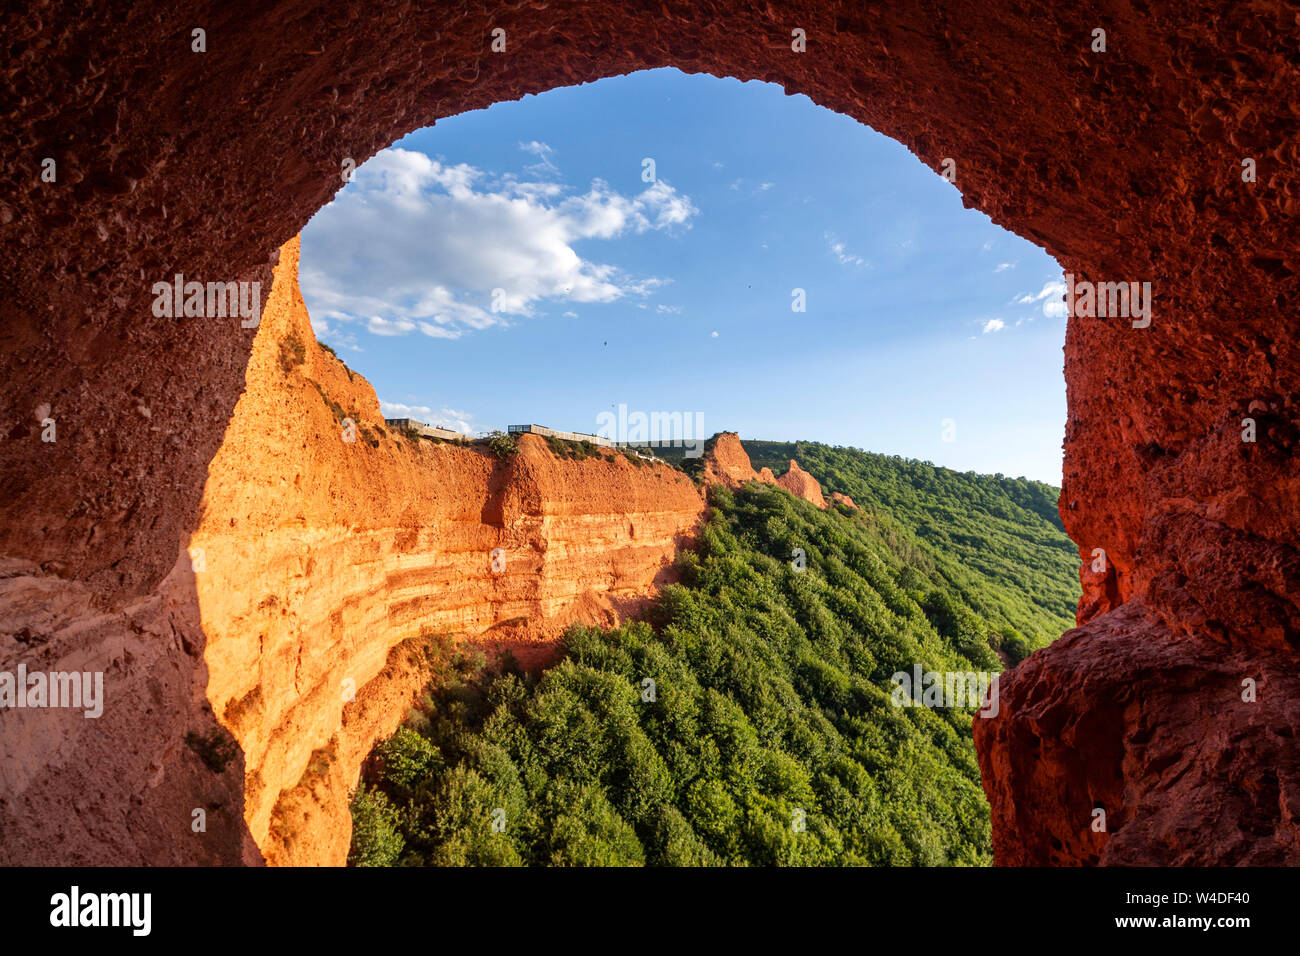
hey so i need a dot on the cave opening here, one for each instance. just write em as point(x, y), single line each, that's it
point(663, 249)
point(690, 254)
point(1161, 157)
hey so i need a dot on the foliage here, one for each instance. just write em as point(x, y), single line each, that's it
point(572, 450)
point(995, 543)
point(376, 840)
point(502, 444)
point(748, 720)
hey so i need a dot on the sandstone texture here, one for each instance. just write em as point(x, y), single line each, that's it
point(727, 463)
point(802, 485)
point(1126, 165)
point(362, 545)
point(294, 615)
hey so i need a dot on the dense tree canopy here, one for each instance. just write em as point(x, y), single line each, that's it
point(748, 720)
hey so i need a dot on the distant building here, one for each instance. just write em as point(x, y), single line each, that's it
point(583, 436)
point(426, 431)
point(563, 436)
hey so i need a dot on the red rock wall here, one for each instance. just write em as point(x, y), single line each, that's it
point(801, 484)
point(359, 548)
point(1125, 165)
point(727, 463)
point(314, 559)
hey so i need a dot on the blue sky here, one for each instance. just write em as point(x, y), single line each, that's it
point(514, 265)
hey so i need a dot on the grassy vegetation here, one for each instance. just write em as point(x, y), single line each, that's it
point(572, 450)
point(748, 720)
point(335, 355)
point(335, 408)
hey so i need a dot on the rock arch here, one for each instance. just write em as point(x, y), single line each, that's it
point(1125, 165)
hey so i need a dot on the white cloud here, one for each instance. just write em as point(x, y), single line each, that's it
point(714, 335)
point(439, 331)
point(414, 243)
point(570, 315)
point(994, 325)
point(543, 152)
point(671, 309)
point(457, 420)
point(1053, 308)
point(381, 326)
point(764, 187)
point(841, 252)
point(1004, 266)
point(1050, 287)
point(452, 418)
point(333, 335)
point(400, 410)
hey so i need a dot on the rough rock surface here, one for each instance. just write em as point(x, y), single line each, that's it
point(845, 500)
point(314, 558)
point(802, 485)
point(362, 545)
point(1158, 713)
point(727, 463)
point(1126, 165)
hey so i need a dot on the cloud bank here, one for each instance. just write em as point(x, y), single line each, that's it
point(416, 245)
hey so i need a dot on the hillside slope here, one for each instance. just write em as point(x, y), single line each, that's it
point(998, 541)
point(750, 719)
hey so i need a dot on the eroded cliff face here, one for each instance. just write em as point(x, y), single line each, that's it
point(727, 463)
point(801, 484)
point(360, 545)
point(1178, 785)
point(297, 607)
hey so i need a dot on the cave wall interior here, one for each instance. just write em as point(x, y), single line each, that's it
point(1163, 155)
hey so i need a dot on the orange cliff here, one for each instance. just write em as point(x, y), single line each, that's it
point(321, 556)
point(253, 678)
point(801, 484)
point(727, 463)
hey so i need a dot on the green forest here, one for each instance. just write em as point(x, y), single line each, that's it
point(748, 719)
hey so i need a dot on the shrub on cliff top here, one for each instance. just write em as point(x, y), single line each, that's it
point(502, 444)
